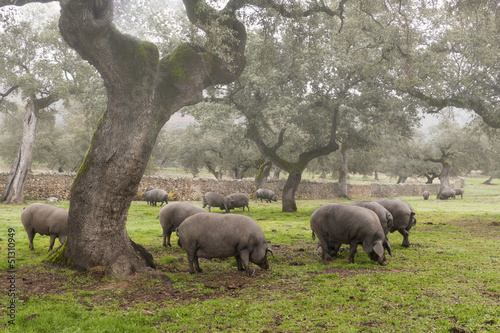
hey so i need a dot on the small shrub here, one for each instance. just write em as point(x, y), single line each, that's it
point(139, 196)
point(173, 196)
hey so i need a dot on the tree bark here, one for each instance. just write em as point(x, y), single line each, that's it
point(402, 179)
point(343, 172)
point(277, 172)
point(444, 175)
point(488, 182)
point(143, 92)
point(430, 177)
point(289, 190)
point(294, 169)
point(262, 175)
point(13, 192)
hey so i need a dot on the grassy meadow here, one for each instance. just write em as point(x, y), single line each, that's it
point(447, 281)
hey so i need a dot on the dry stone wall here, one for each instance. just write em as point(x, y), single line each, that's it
point(45, 185)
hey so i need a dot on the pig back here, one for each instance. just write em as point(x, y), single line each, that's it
point(175, 213)
point(220, 235)
point(339, 223)
point(402, 213)
point(385, 217)
point(45, 219)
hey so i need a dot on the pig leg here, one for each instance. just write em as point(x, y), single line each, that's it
point(52, 240)
point(239, 262)
point(325, 254)
point(191, 269)
point(406, 234)
point(166, 236)
point(193, 263)
point(197, 264)
point(336, 247)
point(353, 248)
point(245, 259)
point(62, 239)
point(31, 235)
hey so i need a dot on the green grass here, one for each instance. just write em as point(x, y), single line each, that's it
point(448, 279)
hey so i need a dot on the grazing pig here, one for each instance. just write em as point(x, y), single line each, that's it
point(265, 194)
point(206, 235)
point(336, 224)
point(446, 194)
point(385, 217)
point(403, 215)
point(460, 192)
point(214, 199)
point(426, 195)
point(239, 200)
point(156, 195)
point(173, 214)
point(45, 220)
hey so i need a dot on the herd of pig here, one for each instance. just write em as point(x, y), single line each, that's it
point(446, 194)
point(209, 235)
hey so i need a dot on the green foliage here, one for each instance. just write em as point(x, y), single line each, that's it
point(220, 143)
point(41, 64)
point(431, 286)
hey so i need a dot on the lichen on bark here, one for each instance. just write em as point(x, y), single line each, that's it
point(58, 257)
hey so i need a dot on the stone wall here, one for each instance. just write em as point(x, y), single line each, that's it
point(44, 185)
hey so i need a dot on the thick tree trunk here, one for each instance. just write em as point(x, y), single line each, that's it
point(262, 175)
point(402, 179)
point(105, 185)
point(376, 175)
point(343, 172)
point(213, 171)
point(444, 177)
point(13, 192)
point(237, 173)
point(430, 177)
point(143, 92)
point(488, 182)
point(291, 186)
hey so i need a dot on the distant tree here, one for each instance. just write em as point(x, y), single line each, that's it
point(484, 149)
point(460, 65)
point(25, 70)
point(399, 156)
point(444, 176)
point(311, 99)
point(44, 70)
point(221, 145)
point(453, 149)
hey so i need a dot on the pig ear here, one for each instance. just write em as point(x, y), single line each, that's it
point(379, 250)
point(388, 247)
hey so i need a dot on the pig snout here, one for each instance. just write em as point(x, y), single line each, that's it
point(264, 264)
